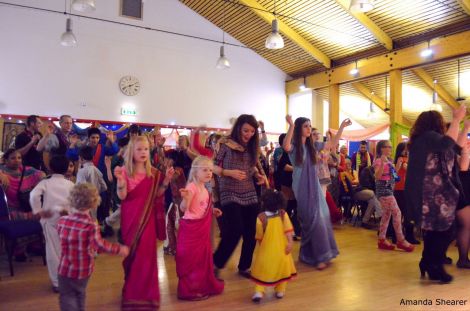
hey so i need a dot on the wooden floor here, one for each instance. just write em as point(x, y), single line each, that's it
point(361, 278)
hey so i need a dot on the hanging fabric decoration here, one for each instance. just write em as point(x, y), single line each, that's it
point(364, 134)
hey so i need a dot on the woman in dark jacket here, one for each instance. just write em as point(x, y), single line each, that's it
point(432, 189)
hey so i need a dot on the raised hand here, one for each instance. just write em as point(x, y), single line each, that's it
point(170, 171)
point(346, 122)
point(289, 120)
point(111, 137)
point(459, 113)
point(119, 173)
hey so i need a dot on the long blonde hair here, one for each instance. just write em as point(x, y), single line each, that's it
point(129, 156)
point(199, 162)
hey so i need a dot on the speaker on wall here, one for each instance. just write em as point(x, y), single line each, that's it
point(132, 8)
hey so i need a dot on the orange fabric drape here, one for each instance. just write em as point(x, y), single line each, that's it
point(364, 134)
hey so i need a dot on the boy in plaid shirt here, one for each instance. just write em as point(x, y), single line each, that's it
point(80, 238)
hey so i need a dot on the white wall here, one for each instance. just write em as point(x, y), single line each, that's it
point(179, 81)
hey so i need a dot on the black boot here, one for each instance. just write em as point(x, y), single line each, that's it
point(435, 272)
point(410, 235)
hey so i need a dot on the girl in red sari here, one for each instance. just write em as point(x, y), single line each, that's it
point(141, 188)
point(194, 264)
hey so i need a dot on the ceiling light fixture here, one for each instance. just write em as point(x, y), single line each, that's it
point(361, 6)
point(303, 85)
point(84, 5)
point(459, 98)
point(354, 72)
point(274, 41)
point(223, 62)
point(435, 106)
point(427, 52)
point(68, 38)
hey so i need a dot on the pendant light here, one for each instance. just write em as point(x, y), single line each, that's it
point(303, 85)
point(427, 52)
point(274, 41)
point(372, 114)
point(223, 62)
point(459, 98)
point(84, 5)
point(361, 6)
point(435, 106)
point(354, 72)
point(68, 38)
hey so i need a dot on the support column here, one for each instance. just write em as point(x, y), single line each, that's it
point(334, 106)
point(396, 113)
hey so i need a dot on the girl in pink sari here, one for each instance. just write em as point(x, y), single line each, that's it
point(141, 188)
point(194, 265)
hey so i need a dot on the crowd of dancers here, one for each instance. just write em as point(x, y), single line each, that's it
point(265, 196)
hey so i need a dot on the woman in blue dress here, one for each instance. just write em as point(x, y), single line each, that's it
point(318, 244)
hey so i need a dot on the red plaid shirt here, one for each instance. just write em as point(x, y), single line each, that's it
point(80, 238)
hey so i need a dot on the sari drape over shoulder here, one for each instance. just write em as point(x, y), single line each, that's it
point(194, 264)
point(318, 243)
point(142, 222)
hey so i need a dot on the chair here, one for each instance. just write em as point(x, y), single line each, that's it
point(12, 230)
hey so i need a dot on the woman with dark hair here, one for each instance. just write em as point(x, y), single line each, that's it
point(236, 164)
point(318, 245)
point(401, 166)
point(432, 189)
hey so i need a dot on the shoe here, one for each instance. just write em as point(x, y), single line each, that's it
point(321, 266)
point(384, 244)
point(279, 295)
point(410, 235)
point(55, 289)
point(20, 258)
point(447, 261)
point(435, 272)
point(257, 297)
point(406, 247)
point(463, 264)
point(245, 273)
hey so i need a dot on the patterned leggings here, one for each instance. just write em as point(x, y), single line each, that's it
point(390, 209)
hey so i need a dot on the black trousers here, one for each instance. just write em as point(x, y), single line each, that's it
point(237, 221)
point(291, 210)
point(435, 245)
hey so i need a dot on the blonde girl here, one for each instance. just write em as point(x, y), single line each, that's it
point(194, 263)
point(141, 188)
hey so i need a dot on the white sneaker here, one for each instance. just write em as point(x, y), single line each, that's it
point(257, 297)
point(279, 295)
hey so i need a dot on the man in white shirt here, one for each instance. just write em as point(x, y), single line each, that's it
point(54, 191)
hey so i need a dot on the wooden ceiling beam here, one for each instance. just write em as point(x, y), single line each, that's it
point(443, 48)
point(440, 90)
point(290, 33)
point(375, 30)
point(377, 100)
point(465, 5)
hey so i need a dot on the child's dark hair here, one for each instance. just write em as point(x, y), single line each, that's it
point(272, 201)
point(93, 131)
point(86, 153)
point(59, 164)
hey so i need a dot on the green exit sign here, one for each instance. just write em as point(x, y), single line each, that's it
point(128, 112)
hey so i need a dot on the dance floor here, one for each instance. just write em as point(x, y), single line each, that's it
point(361, 278)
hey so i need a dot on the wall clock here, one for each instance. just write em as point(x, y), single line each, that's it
point(129, 85)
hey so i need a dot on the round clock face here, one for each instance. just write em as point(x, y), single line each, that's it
point(129, 85)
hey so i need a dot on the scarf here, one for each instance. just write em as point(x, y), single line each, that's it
point(359, 160)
